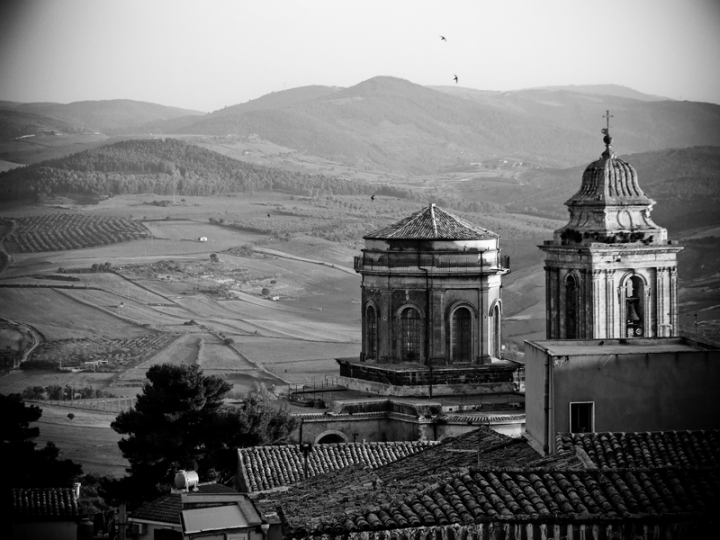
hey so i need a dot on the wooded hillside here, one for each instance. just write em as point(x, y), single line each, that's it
point(170, 166)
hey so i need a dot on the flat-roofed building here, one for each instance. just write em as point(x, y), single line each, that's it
point(620, 385)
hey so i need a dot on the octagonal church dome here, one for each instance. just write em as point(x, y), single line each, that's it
point(431, 223)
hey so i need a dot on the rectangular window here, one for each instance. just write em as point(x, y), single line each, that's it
point(582, 417)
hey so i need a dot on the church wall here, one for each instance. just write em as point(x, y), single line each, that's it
point(390, 296)
point(374, 428)
point(536, 416)
point(645, 389)
point(641, 392)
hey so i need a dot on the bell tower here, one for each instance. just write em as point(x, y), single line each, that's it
point(610, 272)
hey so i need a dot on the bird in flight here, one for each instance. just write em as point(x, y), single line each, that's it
point(442, 38)
point(372, 197)
point(456, 79)
point(268, 215)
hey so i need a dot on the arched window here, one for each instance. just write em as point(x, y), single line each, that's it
point(371, 332)
point(634, 307)
point(410, 335)
point(461, 333)
point(497, 347)
point(571, 308)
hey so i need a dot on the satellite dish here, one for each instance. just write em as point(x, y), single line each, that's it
point(186, 480)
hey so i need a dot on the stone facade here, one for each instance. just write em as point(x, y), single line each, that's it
point(610, 272)
point(431, 292)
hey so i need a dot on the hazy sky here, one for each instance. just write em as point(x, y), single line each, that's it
point(205, 54)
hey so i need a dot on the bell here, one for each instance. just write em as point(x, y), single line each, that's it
point(632, 314)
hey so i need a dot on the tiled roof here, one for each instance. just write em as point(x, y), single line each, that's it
point(431, 223)
point(167, 507)
point(45, 502)
point(269, 467)
point(320, 499)
point(609, 181)
point(648, 449)
point(492, 494)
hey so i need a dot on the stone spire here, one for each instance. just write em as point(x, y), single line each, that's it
point(610, 206)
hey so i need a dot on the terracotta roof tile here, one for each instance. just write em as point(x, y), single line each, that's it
point(484, 495)
point(167, 507)
point(646, 449)
point(431, 223)
point(270, 467)
point(399, 488)
point(44, 502)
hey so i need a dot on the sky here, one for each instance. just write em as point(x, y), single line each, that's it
point(208, 54)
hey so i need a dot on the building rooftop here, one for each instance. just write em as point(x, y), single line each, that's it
point(491, 495)
point(214, 518)
point(269, 467)
point(45, 503)
point(167, 507)
point(315, 503)
point(579, 347)
point(431, 223)
point(685, 449)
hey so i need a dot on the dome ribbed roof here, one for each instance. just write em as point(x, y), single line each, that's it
point(609, 181)
point(431, 223)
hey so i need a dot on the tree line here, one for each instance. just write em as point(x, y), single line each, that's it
point(174, 167)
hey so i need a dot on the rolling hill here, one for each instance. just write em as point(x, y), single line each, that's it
point(108, 116)
point(391, 124)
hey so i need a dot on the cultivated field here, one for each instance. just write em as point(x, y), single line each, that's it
point(57, 316)
point(105, 355)
point(86, 439)
point(60, 231)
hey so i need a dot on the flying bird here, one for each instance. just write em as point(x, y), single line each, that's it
point(268, 215)
point(456, 79)
point(372, 197)
point(442, 38)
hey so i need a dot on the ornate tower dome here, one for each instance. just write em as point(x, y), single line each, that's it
point(610, 271)
point(610, 206)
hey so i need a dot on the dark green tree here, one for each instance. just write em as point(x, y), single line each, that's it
point(179, 422)
point(30, 467)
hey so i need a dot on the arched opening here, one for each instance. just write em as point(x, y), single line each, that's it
point(331, 436)
point(571, 308)
point(371, 332)
point(496, 338)
point(634, 307)
point(410, 335)
point(461, 332)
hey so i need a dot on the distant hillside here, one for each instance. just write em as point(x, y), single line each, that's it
point(109, 116)
point(280, 99)
point(392, 124)
point(17, 123)
point(173, 167)
point(607, 90)
point(386, 123)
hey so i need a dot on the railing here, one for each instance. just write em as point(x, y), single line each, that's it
point(453, 261)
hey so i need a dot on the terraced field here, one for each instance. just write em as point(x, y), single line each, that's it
point(106, 354)
point(58, 232)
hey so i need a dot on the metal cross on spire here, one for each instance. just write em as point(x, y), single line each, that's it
point(607, 116)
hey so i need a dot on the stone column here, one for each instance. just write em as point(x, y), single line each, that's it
point(385, 327)
point(581, 308)
point(660, 313)
point(598, 305)
point(553, 322)
point(610, 330)
point(673, 301)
